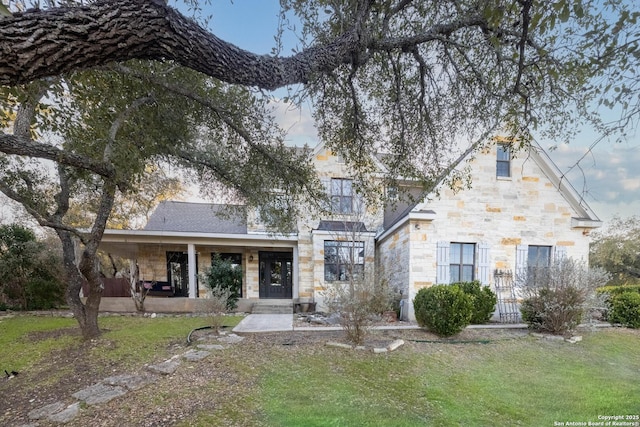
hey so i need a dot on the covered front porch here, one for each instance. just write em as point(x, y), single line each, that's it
point(171, 264)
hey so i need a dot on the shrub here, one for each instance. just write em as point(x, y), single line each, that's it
point(625, 309)
point(31, 270)
point(484, 301)
point(218, 305)
point(553, 310)
point(443, 309)
point(557, 297)
point(617, 290)
point(223, 275)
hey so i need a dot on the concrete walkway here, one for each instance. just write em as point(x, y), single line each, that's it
point(265, 323)
point(284, 322)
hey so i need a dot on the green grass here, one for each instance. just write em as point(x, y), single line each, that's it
point(20, 350)
point(521, 382)
point(126, 340)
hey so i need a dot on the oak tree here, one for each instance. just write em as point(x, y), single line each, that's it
point(423, 81)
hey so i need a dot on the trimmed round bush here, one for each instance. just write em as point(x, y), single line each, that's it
point(625, 309)
point(484, 301)
point(443, 309)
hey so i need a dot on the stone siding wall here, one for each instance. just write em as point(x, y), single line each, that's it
point(525, 208)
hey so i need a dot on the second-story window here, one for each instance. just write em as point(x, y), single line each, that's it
point(342, 195)
point(503, 165)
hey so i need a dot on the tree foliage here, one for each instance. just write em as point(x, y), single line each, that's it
point(617, 250)
point(224, 281)
point(453, 70)
point(30, 273)
point(424, 81)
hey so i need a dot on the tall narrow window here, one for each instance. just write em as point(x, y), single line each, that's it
point(462, 262)
point(503, 165)
point(342, 195)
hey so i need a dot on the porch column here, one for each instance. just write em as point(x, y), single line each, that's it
point(296, 274)
point(191, 258)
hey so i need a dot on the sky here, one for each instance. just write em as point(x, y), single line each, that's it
point(608, 177)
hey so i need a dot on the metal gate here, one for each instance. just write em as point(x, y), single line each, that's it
point(508, 307)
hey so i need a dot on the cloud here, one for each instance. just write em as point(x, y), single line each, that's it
point(297, 123)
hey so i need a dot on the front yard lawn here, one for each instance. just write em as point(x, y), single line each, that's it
point(294, 379)
point(524, 381)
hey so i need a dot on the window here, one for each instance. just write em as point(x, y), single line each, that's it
point(503, 165)
point(341, 195)
point(538, 256)
point(461, 262)
point(343, 260)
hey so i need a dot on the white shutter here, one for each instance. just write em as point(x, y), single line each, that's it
point(442, 266)
point(522, 254)
point(484, 263)
point(560, 253)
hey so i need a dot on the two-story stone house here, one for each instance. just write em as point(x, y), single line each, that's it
point(519, 211)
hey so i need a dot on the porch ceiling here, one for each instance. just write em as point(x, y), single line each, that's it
point(127, 243)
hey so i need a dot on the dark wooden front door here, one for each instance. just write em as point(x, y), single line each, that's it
point(276, 275)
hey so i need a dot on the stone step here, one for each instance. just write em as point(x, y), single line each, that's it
point(272, 308)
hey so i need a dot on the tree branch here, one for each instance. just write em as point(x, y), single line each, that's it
point(59, 40)
point(21, 146)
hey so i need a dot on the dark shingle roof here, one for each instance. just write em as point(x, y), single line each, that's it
point(342, 226)
point(198, 218)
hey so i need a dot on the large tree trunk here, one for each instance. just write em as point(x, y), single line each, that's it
point(79, 270)
point(85, 314)
point(55, 41)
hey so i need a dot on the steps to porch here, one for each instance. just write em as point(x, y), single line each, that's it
point(272, 306)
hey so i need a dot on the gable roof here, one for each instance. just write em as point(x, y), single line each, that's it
point(587, 217)
point(198, 218)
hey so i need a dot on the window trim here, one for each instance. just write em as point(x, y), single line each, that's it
point(461, 264)
point(504, 148)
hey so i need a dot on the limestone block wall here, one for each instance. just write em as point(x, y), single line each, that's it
point(305, 267)
point(524, 209)
point(152, 261)
point(328, 165)
point(251, 277)
point(393, 258)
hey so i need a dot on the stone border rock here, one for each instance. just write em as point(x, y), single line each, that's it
point(377, 350)
point(572, 340)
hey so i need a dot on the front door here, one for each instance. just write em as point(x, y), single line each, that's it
point(276, 272)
